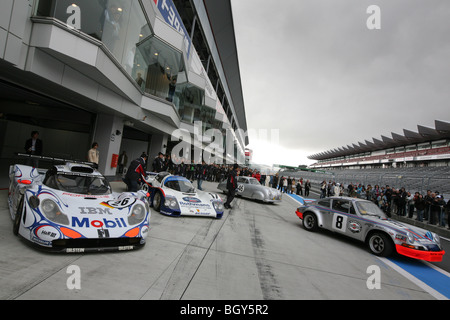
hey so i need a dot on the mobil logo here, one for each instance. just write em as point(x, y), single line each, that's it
point(192, 200)
point(107, 223)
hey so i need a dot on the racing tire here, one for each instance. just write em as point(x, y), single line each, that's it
point(157, 198)
point(310, 221)
point(380, 244)
point(18, 217)
point(145, 187)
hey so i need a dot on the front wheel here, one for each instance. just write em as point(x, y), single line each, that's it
point(157, 201)
point(310, 221)
point(18, 217)
point(380, 245)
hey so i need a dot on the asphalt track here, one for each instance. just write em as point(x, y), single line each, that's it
point(433, 277)
point(255, 252)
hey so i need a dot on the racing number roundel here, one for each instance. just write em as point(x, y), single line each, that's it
point(339, 222)
point(240, 188)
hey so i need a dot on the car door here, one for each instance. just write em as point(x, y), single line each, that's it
point(324, 206)
point(242, 184)
point(344, 218)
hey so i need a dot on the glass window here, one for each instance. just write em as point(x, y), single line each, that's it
point(242, 180)
point(341, 205)
point(324, 203)
point(370, 209)
point(89, 185)
point(190, 102)
point(160, 67)
point(179, 184)
point(138, 31)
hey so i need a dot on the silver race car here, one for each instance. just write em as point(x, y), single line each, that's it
point(249, 187)
point(363, 220)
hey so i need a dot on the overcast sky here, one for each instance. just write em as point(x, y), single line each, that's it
point(313, 70)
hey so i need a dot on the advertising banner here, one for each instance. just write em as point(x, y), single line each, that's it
point(170, 14)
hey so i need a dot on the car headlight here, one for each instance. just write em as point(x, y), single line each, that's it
point(138, 211)
point(411, 238)
point(137, 214)
point(437, 239)
point(172, 203)
point(51, 211)
point(218, 206)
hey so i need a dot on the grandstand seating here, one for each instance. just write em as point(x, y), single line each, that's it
point(415, 179)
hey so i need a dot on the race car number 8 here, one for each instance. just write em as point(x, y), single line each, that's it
point(339, 222)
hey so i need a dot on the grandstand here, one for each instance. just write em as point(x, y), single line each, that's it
point(418, 161)
point(413, 179)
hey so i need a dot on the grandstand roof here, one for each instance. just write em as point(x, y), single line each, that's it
point(423, 134)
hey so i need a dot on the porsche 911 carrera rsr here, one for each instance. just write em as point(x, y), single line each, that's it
point(72, 208)
point(363, 220)
point(176, 196)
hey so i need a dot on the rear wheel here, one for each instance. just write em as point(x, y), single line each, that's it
point(380, 244)
point(310, 221)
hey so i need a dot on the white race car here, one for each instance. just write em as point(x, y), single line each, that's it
point(176, 196)
point(71, 208)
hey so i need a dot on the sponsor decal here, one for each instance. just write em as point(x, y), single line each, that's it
point(125, 248)
point(119, 204)
point(194, 205)
point(354, 226)
point(74, 195)
point(86, 223)
point(92, 210)
point(75, 250)
point(103, 233)
point(47, 233)
point(192, 199)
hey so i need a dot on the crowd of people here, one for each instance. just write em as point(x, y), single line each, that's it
point(219, 172)
point(430, 208)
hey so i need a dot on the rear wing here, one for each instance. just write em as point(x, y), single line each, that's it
point(54, 159)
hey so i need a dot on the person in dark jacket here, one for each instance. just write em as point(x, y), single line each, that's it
point(158, 163)
point(231, 185)
point(402, 195)
point(202, 172)
point(419, 204)
point(135, 172)
point(33, 146)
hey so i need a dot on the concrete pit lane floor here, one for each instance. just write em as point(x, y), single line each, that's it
point(256, 251)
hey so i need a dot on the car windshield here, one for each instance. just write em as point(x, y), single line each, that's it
point(179, 184)
point(253, 181)
point(81, 184)
point(367, 208)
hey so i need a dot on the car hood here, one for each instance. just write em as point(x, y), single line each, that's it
point(420, 235)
